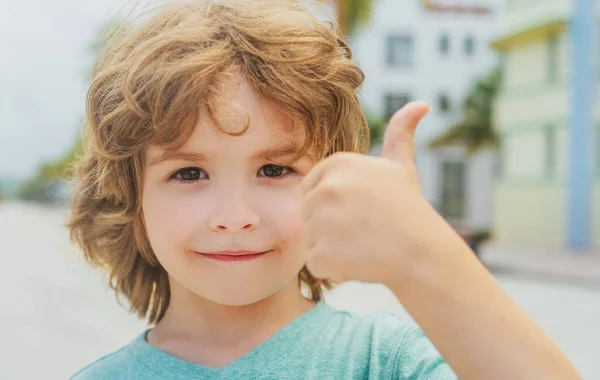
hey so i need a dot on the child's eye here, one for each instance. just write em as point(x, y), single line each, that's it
point(189, 175)
point(275, 171)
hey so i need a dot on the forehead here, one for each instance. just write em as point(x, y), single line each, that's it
point(239, 106)
point(240, 120)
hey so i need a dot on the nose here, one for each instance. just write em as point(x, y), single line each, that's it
point(233, 213)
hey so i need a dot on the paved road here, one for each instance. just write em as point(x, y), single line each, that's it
point(56, 315)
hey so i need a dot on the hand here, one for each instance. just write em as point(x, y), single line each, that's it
point(367, 220)
point(366, 217)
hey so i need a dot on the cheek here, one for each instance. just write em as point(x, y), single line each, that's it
point(170, 220)
point(283, 215)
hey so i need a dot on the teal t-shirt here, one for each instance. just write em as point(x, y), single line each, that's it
point(323, 343)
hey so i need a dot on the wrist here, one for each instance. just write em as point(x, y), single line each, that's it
point(435, 263)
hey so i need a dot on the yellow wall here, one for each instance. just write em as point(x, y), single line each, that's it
point(524, 154)
point(529, 199)
point(527, 63)
point(534, 214)
point(529, 215)
point(529, 205)
point(528, 95)
point(562, 152)
point(546, 106)
point(524, 13)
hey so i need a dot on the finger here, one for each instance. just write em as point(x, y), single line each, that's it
point(314, 177)
point(398, 143)
point(323, 198)
point(318, 228)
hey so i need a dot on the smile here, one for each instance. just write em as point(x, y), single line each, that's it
point(233, 255)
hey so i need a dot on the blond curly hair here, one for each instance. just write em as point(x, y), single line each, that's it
point(147, 85)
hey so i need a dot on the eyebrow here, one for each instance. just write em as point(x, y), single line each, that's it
point(284, 150)
point(177, 155)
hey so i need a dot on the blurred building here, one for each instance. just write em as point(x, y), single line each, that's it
point(539, 192)
point(433, 50)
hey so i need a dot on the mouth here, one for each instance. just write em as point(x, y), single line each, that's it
point(233, 255)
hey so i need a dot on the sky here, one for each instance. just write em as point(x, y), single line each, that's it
point(45, 59)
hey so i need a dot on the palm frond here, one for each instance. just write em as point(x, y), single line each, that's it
point(475, 131)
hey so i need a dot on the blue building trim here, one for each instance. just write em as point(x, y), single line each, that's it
point(579, 191)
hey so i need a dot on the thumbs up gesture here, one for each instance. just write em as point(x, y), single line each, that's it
point(366, 218)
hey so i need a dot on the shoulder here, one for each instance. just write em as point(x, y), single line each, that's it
point(393, 346)
point(411, 354)
point(105, 367)
point(375, 325)
point(120, 364)
point(381, 333)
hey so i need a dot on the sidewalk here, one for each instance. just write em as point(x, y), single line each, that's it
point(582, 267)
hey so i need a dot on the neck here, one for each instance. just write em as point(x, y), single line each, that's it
point(192, 323)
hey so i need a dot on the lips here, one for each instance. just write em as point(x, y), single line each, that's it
point(233, 255)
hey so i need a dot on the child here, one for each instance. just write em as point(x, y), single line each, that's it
point(223, 191)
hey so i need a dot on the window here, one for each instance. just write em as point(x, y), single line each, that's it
point(393, 102)
point(444, 103)
point(444, 44)
point(553, 58)
point(453, 189)
point(399, 50)
point(550, 151)
point(500, 160)
point(469, 46)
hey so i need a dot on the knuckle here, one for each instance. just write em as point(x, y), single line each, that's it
point(331, 188)
point(339, 156)
point(342, 157)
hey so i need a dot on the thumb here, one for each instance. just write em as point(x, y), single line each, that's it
point(399, 140)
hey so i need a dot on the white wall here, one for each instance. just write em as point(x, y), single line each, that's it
point(429, 76)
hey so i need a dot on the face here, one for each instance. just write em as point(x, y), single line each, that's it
point(219, 198)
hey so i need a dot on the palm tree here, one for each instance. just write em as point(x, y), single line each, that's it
point(61, 168)
point(475, 131)
point(352, 14)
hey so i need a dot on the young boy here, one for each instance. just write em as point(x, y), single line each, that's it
point(223, 190)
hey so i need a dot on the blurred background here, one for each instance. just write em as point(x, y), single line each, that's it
point(509, 156)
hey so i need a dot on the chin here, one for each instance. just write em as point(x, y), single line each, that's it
point(239, 297)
